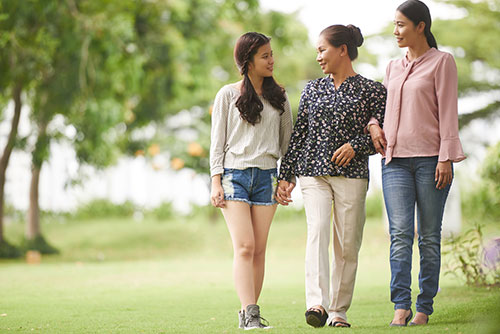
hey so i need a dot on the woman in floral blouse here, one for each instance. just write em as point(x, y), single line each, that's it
point(329, 153)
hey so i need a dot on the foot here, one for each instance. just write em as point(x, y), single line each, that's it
point(401, 317)
point(316, 316)
point(241, 318)
point(420, 319)
point(339, 322)
point(253, 319)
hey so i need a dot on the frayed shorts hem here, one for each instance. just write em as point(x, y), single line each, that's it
point(250, 202)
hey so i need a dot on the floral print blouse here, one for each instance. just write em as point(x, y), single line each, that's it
point(327, 119)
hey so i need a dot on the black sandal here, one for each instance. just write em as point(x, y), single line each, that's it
point(316, 317)
point(340, 324)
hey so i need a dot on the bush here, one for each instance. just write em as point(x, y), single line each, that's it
point(163, 212)
point(38, 244)
point(103, 208)
point(481, 201)
point(374, 206)
point(8, 251)
point(467, 259)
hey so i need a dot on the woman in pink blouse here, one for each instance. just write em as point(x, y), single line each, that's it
point(419, 143)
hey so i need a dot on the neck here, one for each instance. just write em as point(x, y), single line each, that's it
point(342, 74)
point(417, 50)
point(256, 82)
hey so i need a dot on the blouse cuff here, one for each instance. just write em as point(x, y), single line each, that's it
point(451, 150)
point(216, 170)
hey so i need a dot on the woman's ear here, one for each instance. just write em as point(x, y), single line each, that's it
point(343, 50)
point(421, 27)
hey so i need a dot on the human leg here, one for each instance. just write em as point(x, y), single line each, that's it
point(430, 209)
point(317, 195)
point(400, 195)
point(348, 222)
point(239, 222)
point(262, 217)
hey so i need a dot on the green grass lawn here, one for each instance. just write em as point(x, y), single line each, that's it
point(126, 276)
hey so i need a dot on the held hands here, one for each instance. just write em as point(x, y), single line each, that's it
point(217, 193)
point(343, 155)
point(378, 138)
point(284, 192)
point(444, 174)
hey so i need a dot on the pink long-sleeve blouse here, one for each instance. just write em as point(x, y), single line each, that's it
point(421, 116)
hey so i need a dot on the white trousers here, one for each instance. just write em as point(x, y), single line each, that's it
point(348, 199)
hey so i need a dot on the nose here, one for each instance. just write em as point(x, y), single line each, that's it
point(319, 58)
point(396, 30)
point(271, 60)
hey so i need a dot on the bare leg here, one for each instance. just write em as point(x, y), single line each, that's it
point(262, 217)
point(239, 222)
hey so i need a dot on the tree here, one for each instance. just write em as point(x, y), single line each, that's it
point(25, 51)
point(474, 40)
point(477, 52)
point(91, 77)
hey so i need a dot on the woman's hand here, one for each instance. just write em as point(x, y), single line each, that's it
point(217, 193)
point(343, 155)
point(378, 138)
point(284, 192)
point(444, 174)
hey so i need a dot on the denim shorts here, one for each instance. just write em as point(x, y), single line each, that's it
point(253, 185)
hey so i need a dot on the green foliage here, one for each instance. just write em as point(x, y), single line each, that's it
point(481, 201)
point(9, 251)
point(103, 208)
point(163, 212)
point(38, 244)
point(464, 256)
point(374, 206)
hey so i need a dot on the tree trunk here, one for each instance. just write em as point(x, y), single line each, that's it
point(33, 224)
point(4, 160)
point(39, 155)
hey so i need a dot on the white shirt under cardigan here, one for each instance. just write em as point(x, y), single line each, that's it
point(237, 144)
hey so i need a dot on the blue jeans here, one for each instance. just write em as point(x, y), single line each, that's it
point(406, 182)
point(252, 185)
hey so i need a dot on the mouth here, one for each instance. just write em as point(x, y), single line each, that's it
point(270, 68)
point(399, 39)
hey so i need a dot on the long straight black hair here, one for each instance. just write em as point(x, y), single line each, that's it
point(417, 12)
point(249, 103)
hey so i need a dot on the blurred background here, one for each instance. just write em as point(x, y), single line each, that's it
point(105, 105)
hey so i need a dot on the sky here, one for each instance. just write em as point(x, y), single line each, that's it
point(369, 15)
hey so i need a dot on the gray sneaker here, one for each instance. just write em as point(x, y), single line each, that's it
point(253, 319)
point(241, 317)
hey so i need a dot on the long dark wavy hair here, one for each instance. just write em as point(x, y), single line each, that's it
point(417, 12)
point(249, 103)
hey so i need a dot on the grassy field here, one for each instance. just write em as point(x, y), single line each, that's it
point(148, 276)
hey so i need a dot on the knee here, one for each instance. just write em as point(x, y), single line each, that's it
point(245, 250)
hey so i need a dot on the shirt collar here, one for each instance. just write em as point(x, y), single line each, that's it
point(420, 59)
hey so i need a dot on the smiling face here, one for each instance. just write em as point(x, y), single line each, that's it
point(262, 63)
point(407, 34)
point(329, 56)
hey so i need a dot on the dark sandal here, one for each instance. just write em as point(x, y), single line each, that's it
point(339, 323)
point(407, 320)
point(316, 317)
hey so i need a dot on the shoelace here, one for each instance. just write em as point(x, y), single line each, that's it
point(261, 319)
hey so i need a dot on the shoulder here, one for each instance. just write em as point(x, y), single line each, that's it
point(370, 84)
point(315, 84)
point(228, 91)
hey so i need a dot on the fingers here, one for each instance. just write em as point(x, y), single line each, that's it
point(284, 192)
point(343, 155)
point(443, 176)
point(217, 200)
